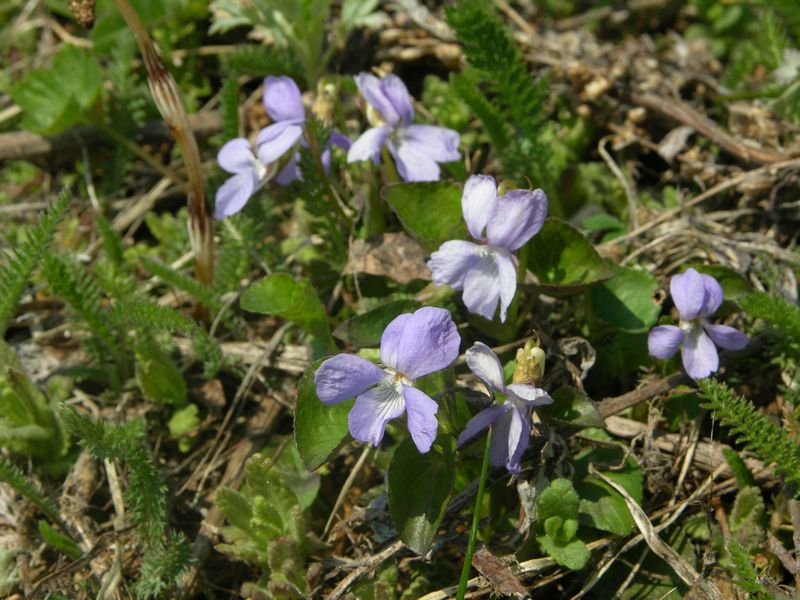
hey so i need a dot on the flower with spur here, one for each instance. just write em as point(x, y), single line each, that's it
point(412, 345)
point(511, 420)
point(487, 271)
point(416, 149)
point(697, 297)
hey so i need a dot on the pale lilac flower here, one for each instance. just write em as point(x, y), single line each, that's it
point(416, 149)
point(412, 345)
point(697, 297)
point(487, 271)
point(250, 174)
point(511, 420)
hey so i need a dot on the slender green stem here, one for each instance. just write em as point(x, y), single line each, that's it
point(476, 517)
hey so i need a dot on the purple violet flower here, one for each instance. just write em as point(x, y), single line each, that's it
point(249, 174)
point(511, 420)
point(416, 149)
point(487, 271)
point(412, 345)
point(697, 297)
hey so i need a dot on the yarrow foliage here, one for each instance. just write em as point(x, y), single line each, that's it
point(697, 296)
point(486, 271)
point(512, 419)
point(412, 345)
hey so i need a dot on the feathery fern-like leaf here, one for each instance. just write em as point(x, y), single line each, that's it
point(19, 481)
point(745, 574)
point(229, 108)
point(258, 61)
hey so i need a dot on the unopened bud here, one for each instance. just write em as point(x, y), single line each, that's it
point(530, 364)
point(505, 186)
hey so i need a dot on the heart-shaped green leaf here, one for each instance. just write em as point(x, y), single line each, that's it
point(571, 407)
point(626, 300)
point(430, 211)
point(365, 330)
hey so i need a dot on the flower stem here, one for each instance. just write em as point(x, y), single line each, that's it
point(476, 517)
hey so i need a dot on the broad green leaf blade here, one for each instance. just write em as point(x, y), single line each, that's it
point(571, 407)
point(419, 489)
point(626, 300)
point(319, 430)
point(279, 294)
point(430, 211)
point(557, 525)
point(365, 330)
point(563, 261)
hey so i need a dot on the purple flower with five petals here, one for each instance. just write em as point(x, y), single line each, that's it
point(511, 420)
point(416, 149)
point(697, 297)
point(412, 345)
point(249, 174)
point(487, 271)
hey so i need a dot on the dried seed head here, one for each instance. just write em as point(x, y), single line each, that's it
point(83, 11)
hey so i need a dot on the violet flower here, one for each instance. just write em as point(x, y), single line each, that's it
point(249, 175)
point(416, 149)
point(487, 271)
point(511, 420)
point(412, 345)
point(697, 297)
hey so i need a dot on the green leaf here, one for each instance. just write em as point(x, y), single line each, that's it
point(181, 424)
point(158, 376)
point(419, 489)
point(562, 259)
point(430, 211)
point(365, 330)
point(734, 285)
point(626, 300)
point(557, 525)
point(319, 429)
point(747, 518)
point(571, 407)
point(573, 555)
point(279, 294)
point(59, 541)
point(56, 98)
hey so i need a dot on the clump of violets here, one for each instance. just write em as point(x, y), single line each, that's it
point(697, 296)
point(486, 271)
point(412, 345)
point(511, 420)
point(416, 149)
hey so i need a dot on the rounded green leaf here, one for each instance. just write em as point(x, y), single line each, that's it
point(419, 489)
point(430, 211)
point(365, 330)
point(626, 300)
point(571, 407)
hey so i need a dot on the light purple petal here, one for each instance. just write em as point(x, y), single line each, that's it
point(374, 92)
point(397, 93)
point(517, 217)
point(282, 99)
point(437, 143)
point(664, 340)
point(482, 288)
point(485, 364)
point(532, 396)
point(413, 165)
point(498, 453)
point(478, 202)
point(234, 194)
point(480, 422)
point(422, 423)
point(519, 436)
point(340, 141)
point(450, 264)
point(714, 295)
point(276, 140)
point(689, 293)
point(344, 376)
point(507, 279)
point(373, 409)
point(236, 156)
point(290, 172)
point(368, 145)
point(699, 354)
point(727, 337)
point(420, 343)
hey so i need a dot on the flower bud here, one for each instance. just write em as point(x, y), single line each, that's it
point(530, 364)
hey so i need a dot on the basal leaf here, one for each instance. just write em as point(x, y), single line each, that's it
point(365, 330)
point(626, 300)
point(430, 211)
point(571, 407)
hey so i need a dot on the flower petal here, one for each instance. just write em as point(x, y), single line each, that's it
point(689, 293)
point(344, 376)
point(519, 436)
point(413, 165)
point(397, 93)
point(437, 143)
point(727, 337)
point(282, 99)
point(421, 342)
point(234, 194)
point(340, 141)
point(482, 288)
point(485, 364)
point(290, 172)
point(714, 295)
point(368, 145)
point(373, 409)
point(480, 422)
point(451, 262)
point(507, 279)
point(478, 202)
point(236, 156)
point(422, 423)
point(532, 396)
point(516, 218)
point(276, 140)
point(498, 453)
point(374, 92)
point(699, 354)
point(664, 340)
